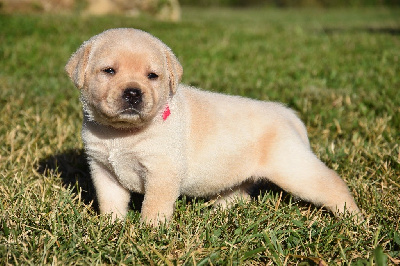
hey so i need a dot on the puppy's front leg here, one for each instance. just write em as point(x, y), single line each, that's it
point(112, 197)
point(159, 199)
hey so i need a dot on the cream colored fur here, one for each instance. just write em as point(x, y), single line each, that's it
point(211, 145)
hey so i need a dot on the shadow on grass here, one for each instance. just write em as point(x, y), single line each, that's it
point(73, 168)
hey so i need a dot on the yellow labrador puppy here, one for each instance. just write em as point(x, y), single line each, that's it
point(145, 132)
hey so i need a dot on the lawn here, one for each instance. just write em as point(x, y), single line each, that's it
point(338, 68)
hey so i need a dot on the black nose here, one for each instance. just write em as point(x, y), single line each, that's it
point(133, 96)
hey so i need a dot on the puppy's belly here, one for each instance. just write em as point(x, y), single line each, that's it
point(211, 185)
point(212, 176)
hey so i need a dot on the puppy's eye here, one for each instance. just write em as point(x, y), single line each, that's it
point(152, 76)
point(109, 70)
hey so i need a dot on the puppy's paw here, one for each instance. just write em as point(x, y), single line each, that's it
point(157, 210)
point(117, 217)
point(154, 220)
point(231, 197)
point(225, 203)
point(356, 215)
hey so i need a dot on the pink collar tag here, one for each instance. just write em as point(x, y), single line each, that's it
point(166, 113)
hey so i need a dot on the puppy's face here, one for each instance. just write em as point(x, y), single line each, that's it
point(125, 77)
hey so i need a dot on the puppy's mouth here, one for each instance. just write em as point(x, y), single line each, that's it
point(125, 114)
point(126, 118)
point(129, 111)
point(119, 116)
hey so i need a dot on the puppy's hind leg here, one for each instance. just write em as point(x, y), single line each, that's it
point(297, 170)
point(229, 197)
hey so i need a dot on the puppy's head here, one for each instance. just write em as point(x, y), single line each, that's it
point(125, 77)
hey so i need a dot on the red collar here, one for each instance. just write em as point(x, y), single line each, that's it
point(166, 112)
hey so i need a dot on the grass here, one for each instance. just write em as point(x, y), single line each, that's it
point(339, 68)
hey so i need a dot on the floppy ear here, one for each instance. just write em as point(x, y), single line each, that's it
point(175, 71)
point(76, 66)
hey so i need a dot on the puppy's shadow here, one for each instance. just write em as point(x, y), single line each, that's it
point(73, 168)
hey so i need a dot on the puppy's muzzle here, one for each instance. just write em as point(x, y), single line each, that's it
point(132, 99)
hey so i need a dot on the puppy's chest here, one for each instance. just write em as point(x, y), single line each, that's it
point(122, 159)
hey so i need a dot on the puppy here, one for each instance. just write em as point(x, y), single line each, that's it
point(145, 132)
